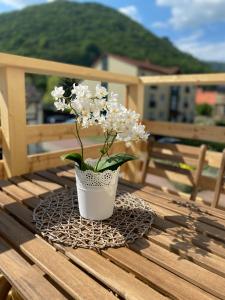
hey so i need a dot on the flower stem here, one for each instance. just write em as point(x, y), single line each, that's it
point(105, 148)
point(81, 144)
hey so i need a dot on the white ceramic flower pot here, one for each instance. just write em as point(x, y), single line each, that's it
point(96, 193)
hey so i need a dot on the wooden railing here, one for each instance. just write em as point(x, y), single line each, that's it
point(15, 134)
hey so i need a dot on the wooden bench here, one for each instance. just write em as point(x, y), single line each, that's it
point(220, 183)
point(215, 184)
point(177, 163)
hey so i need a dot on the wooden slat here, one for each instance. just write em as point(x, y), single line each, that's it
point(185, 249)
point(121, 281)
point(45, 67)
point(207, 183)
point(0, 136)
point(43, 161)
point(219, 182)
point(195, 79)
point(50, 132)
point(18, 193)
point(190, 151)
point(177, 214)
point(59, 178)
point(154, 275)
point(13, 120)
point(2, 170)
point(169, 172)
point(4, 287)
point(67, 275)
point(111, 275)
point(209, 220)
point(191, 236)
point(213, 158)
point(189, 131)
point(23, 277)
point(206, 280)
point(15, 208)
point(176, 158)
point(134, 101)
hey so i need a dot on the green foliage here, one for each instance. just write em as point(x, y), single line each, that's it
point(113, 162)
point(77, 158)
point(77, 33)
point(52, 81)
point(204, 109)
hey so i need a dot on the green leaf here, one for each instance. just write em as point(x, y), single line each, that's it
point(76, 157)
point(114, 161)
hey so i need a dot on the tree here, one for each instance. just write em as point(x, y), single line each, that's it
point(204, 109)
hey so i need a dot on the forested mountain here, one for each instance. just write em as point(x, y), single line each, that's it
point(78, 32)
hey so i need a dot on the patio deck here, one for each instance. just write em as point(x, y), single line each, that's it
point(183, 256)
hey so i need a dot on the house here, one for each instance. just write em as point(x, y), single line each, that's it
point(205, 96)
point(216, 98)
point(166, 103)
point(219, 110)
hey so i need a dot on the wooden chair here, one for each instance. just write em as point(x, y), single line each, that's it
point(177, 163)
point(220, 182)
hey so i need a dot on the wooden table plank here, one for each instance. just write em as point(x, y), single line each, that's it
point(184, 220)
point(121, 282)
point(19, 193)
point(185, 249)
point(191, 236)
point(201, 241)
point(169, 283)
point(67, 275)
point(218, 213)
point(54, 179)
point(205, 286)
point(16, 209)
point(138, 287)
point(17, 271)
point(189, 271)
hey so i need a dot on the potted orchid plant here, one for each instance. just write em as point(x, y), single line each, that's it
point(97, 179)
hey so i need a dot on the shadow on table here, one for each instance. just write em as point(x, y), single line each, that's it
point(194, 232)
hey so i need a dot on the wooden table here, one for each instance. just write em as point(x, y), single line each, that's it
point(183, 257)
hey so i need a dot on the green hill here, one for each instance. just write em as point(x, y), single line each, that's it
point(78, 32)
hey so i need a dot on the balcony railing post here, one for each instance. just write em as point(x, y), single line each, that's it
point(135, 101)
point(13, 120)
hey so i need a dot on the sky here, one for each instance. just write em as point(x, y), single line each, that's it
point(194, 26)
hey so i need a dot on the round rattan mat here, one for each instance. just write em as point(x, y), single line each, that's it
point(57, 219)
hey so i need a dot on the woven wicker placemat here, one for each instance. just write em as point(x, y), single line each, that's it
point(57, 219)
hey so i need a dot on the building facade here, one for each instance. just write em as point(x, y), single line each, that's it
point(219, 110)
point(164, 103)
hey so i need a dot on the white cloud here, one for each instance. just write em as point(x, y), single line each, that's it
point(131, 11)
point(193, 13)
point(15, 3)
point(209, 51)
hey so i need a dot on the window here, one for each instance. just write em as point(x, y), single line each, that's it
point(161, 114)
point(162, 97)
point(153, 87)
point(152, 116)
point(173, 103)
point(174, 90)
point(186, 104)
point(152, 101)
point(187, 89)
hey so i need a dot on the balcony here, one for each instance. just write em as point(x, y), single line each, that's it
point(182, 257)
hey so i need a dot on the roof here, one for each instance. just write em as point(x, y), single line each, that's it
point(208, 97)
point(143, 64)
